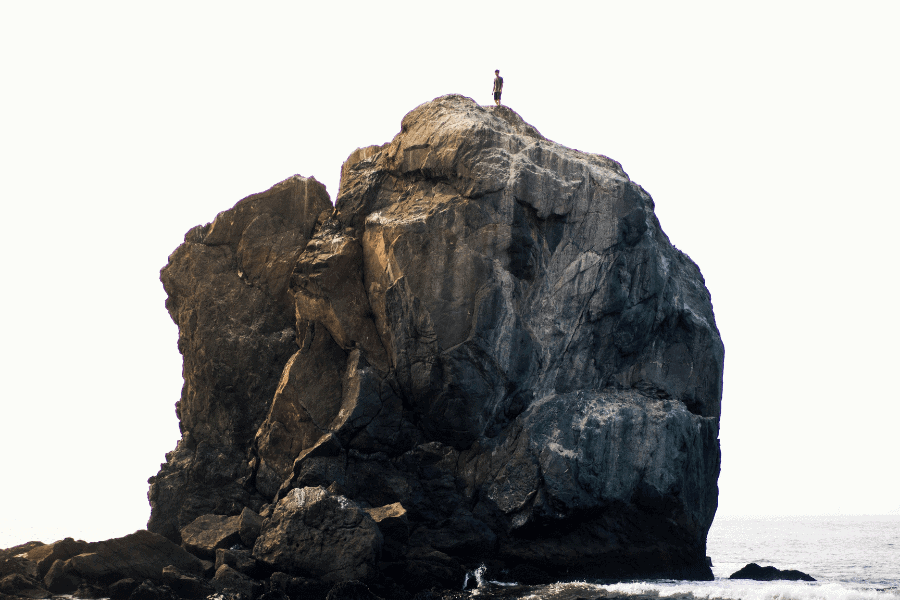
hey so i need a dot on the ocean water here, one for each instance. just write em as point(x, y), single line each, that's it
point(851, 557)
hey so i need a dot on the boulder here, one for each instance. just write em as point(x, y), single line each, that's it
point(231, 582)
point(140, 555)
point(59, 580)
point(152, 591)
point(20, 585)
point(44, 556)
point(18, 565)
point(239, 560)
point(317, 533)
point(249, 525)
point(488, 328)
point(207, 533)
point(185, 585)
point(120, 590)
point(769, 573)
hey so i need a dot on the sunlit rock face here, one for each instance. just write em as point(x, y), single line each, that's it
point(488, 328)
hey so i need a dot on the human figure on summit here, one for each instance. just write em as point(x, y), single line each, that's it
point(498, 87)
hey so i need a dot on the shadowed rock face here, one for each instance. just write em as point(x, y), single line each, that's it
point(489, 328)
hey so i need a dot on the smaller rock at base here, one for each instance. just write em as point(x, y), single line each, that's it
point(317, 533)
point(121, 589)
point(239, 560)
point(140, 555)
point(207, 533)
point(229, 581)
point(20, 565)
point(59, 581)
point(17, 584)
point(296, 587)
point(149, 591)
point(45, 556)
point(757, 573)
point(249, 526)
point(209, 568)
point(185, 585)
point(351, 590)
point(89, 591)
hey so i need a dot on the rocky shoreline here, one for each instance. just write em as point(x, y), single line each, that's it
point(145, 566)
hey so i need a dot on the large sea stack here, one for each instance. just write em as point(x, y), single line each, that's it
point(486, 351)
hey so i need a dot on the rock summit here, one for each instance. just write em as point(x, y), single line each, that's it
point(486, 351)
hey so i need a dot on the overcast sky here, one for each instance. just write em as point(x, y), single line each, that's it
point(766, 132)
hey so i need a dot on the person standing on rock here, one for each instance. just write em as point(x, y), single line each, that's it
point(498, 87)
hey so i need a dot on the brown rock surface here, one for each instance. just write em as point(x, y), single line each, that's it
point(122, 589)
point(22, 586)
point(249, 526)
point(19, 549)
point(230, 581)
point(313, 532)
point(185, 585)
point(227, 289)
point(207, 533)
point(140, 555)
point(239, 560)
point(18, 565)
point(45, 556)
point(59, 580)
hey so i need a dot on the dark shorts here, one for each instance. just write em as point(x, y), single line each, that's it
point(497, 95)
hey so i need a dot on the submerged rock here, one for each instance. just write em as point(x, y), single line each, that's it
point(769, 573)
point(488, 328)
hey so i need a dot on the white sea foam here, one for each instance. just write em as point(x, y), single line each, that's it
point(752, 590)
point(712, 590)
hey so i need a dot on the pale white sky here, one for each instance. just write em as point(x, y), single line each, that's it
point(766, 132)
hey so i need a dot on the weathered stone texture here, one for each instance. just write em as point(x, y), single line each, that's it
point(140, 555)
point(489, 328)
point(313, 532)
point(227, 289)
point(207, 533)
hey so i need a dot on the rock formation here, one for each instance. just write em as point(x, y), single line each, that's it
point(488, 332)
point(769, 573)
